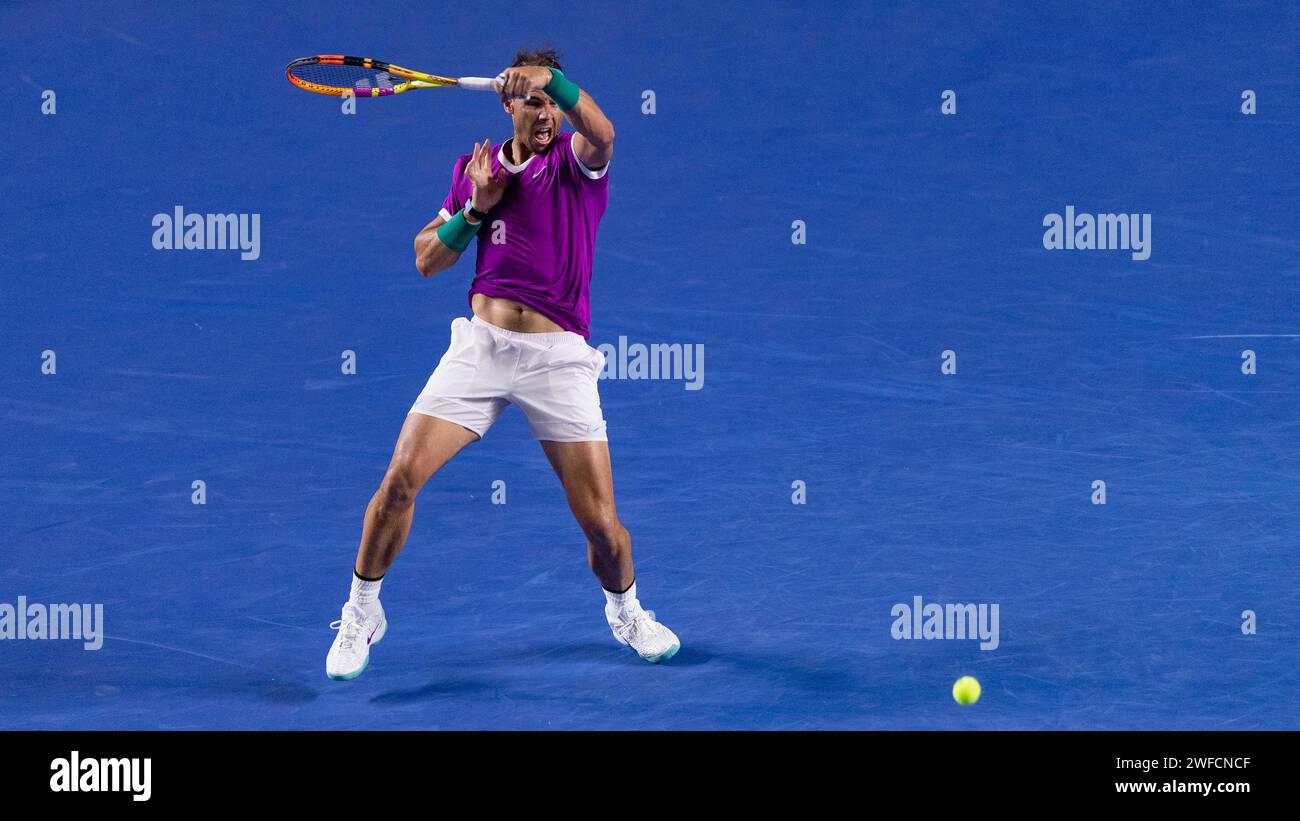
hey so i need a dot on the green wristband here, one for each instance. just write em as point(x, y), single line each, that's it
point(456, 232)
point(562, 90)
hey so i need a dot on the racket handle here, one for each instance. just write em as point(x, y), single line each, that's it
point(479, 83)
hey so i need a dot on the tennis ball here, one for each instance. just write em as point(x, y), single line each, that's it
point(966, 690)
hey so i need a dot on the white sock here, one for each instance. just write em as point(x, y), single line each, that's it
point(364, 594)
point(624, 602)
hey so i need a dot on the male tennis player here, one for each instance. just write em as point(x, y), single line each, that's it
point(534, 204)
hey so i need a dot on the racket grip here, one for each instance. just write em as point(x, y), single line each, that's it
point(478, 83)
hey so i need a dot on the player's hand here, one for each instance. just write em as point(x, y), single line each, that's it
point(488, 187)
point(521, 80)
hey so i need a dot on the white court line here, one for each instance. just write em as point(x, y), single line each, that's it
point(1243, 336)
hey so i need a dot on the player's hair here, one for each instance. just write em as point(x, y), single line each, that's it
point(546, 57)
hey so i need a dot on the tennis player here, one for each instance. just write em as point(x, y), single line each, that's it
point(534, 204)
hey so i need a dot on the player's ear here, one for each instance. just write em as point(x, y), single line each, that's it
point(507, 104)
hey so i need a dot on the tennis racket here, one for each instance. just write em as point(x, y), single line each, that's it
point(337, 75)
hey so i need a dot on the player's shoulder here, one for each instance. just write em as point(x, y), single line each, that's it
point(571, 160)
point(565, 149)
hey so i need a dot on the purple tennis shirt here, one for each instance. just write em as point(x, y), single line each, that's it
point(536, 246)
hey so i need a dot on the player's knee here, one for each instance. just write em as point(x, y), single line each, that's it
point(605, 531)
point(397, 491)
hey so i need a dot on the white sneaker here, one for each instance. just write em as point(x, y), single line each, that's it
point(639, 630)
point(350, 653)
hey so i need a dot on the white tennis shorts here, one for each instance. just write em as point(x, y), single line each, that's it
point(552, 377)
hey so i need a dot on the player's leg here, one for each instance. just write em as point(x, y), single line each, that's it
point(584, 469)
point(461, 400)
point(555, 385)
point(425, 444)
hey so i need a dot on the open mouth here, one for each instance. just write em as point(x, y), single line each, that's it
point(542, 134)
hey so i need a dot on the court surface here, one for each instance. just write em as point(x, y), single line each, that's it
point(924, 234)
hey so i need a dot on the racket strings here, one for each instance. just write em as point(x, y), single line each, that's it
point(355, 77)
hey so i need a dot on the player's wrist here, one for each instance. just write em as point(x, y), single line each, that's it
point(562, 90)
point(457, 233)
point(473, 215)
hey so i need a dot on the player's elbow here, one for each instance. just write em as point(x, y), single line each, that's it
point(427, 266)
point(426, 257)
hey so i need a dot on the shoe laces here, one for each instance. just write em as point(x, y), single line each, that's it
point(350, 625)
point(636, 623)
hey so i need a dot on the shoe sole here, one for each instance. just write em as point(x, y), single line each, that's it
point(353, 674)
point(665, 655)
point(379, 635)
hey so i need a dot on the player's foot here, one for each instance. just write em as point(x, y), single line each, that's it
point(639, 630)
point(358, 630)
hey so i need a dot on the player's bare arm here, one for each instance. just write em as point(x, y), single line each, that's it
point(431, 256)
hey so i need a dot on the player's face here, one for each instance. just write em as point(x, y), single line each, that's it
point(537, 119)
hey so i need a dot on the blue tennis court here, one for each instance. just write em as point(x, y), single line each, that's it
point(792, 207)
